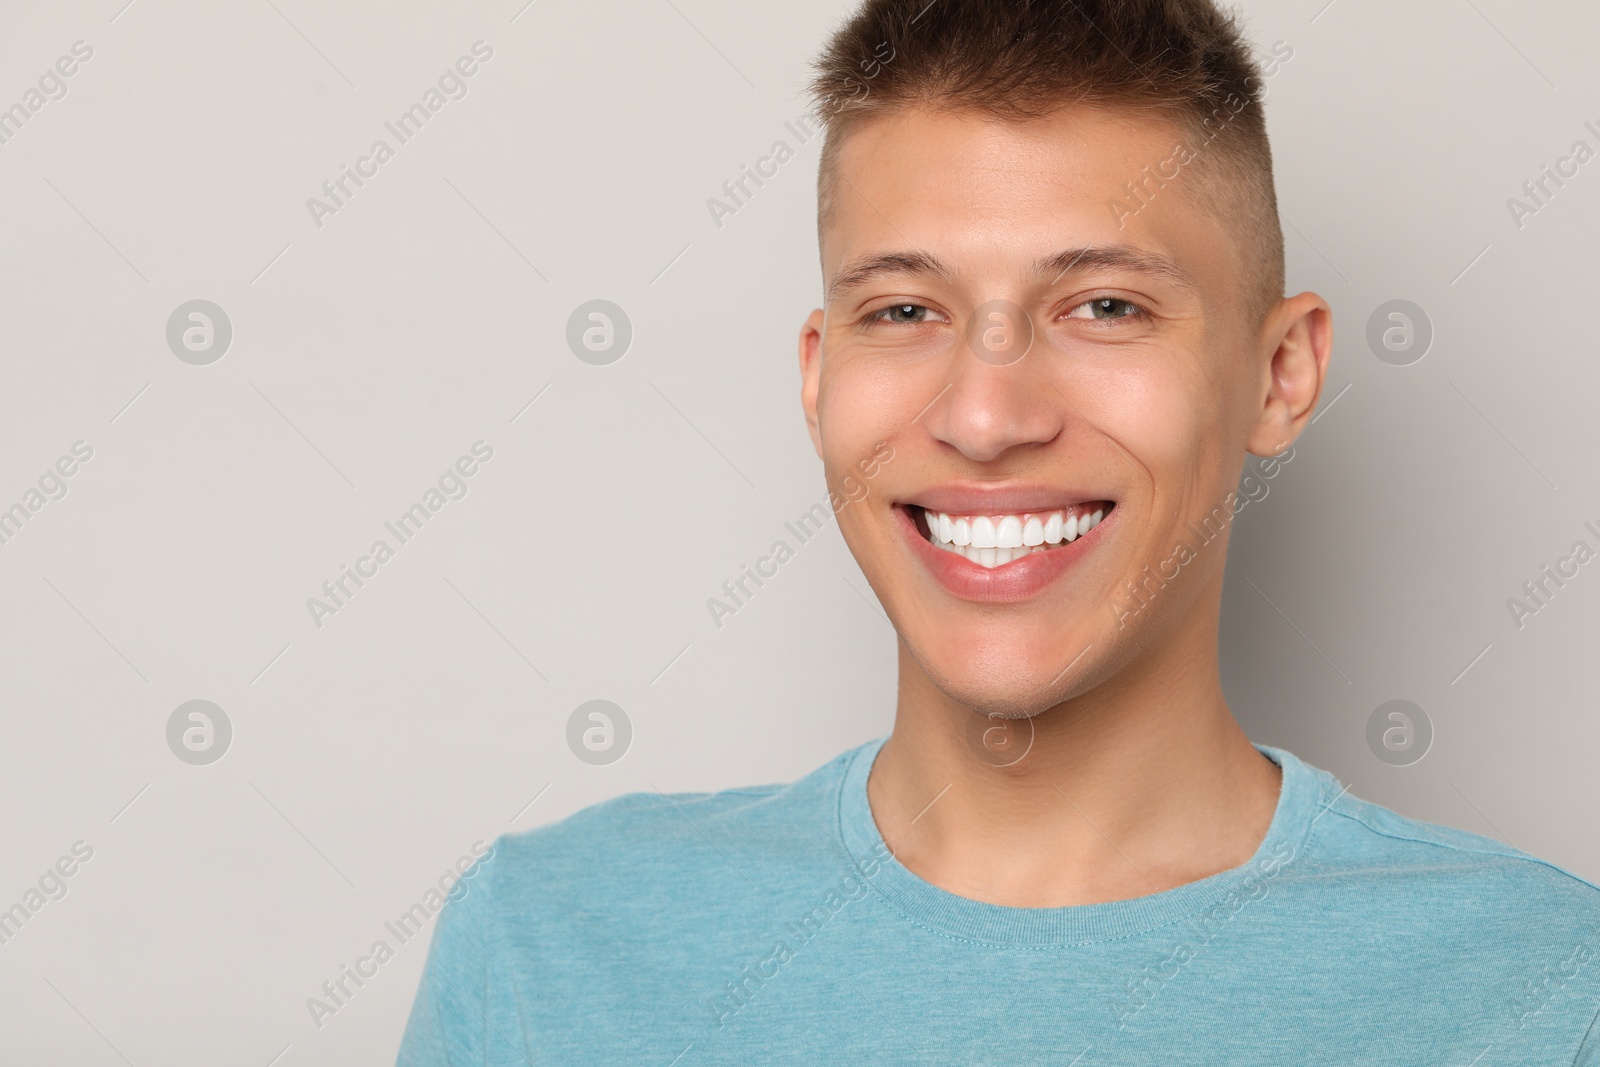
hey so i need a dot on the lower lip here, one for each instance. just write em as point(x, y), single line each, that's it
point(1008, 583)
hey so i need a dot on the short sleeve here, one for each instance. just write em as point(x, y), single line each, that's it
point(448, 1017)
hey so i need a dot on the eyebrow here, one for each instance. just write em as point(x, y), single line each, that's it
point(1092, 257)
point(860, 271)
point(1113, 257)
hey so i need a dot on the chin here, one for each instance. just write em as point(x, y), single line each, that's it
point(1015, 705)
point(1004, 681)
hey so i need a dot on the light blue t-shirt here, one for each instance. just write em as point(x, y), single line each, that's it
point(770, 926)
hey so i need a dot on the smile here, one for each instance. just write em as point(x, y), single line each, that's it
point(996, 540)
point(1004, 544)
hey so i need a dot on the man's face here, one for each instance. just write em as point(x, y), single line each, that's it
point(1042, 363)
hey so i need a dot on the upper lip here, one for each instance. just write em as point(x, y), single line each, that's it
point(1015, 498)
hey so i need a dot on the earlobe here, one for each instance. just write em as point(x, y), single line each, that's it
point(1296, 369)
point(811, 373)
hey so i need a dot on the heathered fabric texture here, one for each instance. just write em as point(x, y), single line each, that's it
point(770, 926)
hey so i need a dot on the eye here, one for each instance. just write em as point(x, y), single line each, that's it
point(901, 313)
point(1107, 307)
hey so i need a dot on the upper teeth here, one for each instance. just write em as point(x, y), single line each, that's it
point(993, 540)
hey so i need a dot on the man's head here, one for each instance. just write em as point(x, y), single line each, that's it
point(1181, 61)
point(1054, 280)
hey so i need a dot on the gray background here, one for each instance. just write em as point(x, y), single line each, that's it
point(369, 354)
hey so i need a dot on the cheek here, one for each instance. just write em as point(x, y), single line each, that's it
point(1163, 420)
point(861, 401)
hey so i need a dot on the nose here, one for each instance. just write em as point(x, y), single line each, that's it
point(989, 409)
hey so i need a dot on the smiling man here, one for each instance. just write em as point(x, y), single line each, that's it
point(1054, 325)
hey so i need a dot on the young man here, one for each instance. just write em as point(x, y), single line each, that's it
point(1053, 328)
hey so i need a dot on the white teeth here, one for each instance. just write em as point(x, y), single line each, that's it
point(991, 557)
point(995, 540)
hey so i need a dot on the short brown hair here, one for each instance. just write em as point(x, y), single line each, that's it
point(1185, 60)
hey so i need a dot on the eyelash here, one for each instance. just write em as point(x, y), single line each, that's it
point(1138, 312)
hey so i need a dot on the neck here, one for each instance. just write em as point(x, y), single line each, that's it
point(1143, 784)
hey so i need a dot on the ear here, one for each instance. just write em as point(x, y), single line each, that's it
point(1298, 333)
point(811, 373)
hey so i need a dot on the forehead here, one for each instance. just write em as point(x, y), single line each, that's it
point(989, 193)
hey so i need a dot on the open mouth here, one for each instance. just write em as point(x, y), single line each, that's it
point(995, 540)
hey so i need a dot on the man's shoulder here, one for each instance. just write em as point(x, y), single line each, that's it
point(644, 842)
point(1361, 843)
